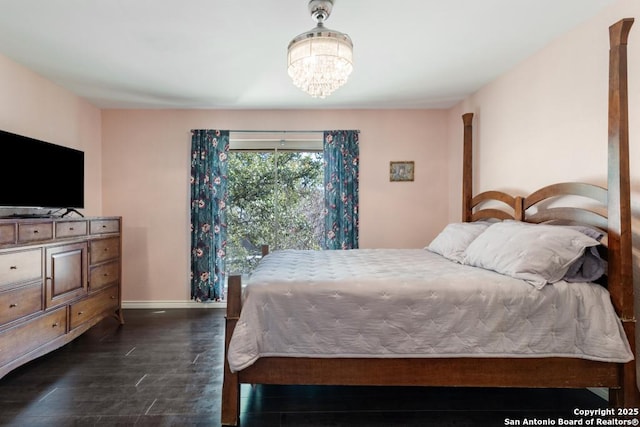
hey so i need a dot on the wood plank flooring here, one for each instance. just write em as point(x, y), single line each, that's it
point(164, 368)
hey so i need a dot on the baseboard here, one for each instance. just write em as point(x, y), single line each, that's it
point(170, 304)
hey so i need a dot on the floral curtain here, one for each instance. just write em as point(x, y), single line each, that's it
point(341, 166)
point(209, 166)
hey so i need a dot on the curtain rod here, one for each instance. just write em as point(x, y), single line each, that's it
point(284, 131)
point(276, 131)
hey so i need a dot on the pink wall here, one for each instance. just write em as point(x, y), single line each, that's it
point(547, 116)
point(35, 107)
point(137, 166)
point(546, 120)
point(146, 174)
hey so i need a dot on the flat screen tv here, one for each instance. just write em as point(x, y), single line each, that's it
point(38, 174)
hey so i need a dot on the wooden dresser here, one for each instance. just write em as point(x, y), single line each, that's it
point(58, 278)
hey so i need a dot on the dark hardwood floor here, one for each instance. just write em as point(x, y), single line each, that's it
point(164, 368)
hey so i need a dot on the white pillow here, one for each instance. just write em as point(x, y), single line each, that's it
point(454, 239)
point(537, 253)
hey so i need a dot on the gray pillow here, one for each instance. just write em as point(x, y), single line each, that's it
point(588, 268)
point(537, 253)
point(454, 239)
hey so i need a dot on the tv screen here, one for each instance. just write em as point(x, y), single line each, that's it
point(38, 174)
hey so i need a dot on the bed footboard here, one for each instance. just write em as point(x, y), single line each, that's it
point(230, 411)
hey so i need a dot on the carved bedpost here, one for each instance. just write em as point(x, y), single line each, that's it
point(467, 168)
point(619, 233)
point(231, 385)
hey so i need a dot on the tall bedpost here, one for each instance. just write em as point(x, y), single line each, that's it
point(467, 168)
point(231, 384)
point(618, 179)
point(620, 237)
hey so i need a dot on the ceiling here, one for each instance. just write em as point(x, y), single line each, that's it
point(232, 53)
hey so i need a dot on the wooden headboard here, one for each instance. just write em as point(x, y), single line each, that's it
point(608, 208)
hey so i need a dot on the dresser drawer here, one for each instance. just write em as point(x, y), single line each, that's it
point(30, 335)
point(35, 232)
point(20, 267)
point(71, 228)
point(100, 226)
point(20, 302)
point(92, 306)
point(104, 275)
point(104, 249)
point(7, 234)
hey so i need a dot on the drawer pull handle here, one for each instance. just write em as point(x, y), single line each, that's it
point(13, 267)
point(105, 275)
point(55, 325)
point(106, 249)
point(113, 297)
point(13, 305)
point(80, 313)
point(71, 228)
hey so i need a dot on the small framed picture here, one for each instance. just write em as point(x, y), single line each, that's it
point(401, 171)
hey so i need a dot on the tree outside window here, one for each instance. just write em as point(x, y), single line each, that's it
point(275, 198)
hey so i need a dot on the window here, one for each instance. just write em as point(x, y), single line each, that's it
point(275, 198)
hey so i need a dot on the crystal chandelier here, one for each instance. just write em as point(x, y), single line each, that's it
point(320, 60)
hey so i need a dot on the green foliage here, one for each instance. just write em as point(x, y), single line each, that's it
point(274, 199)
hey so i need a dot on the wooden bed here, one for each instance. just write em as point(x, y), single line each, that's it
point(619, 378)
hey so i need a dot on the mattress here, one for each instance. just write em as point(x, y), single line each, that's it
point(413, 303)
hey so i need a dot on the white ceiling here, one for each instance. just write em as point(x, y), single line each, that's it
point(232, 53)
